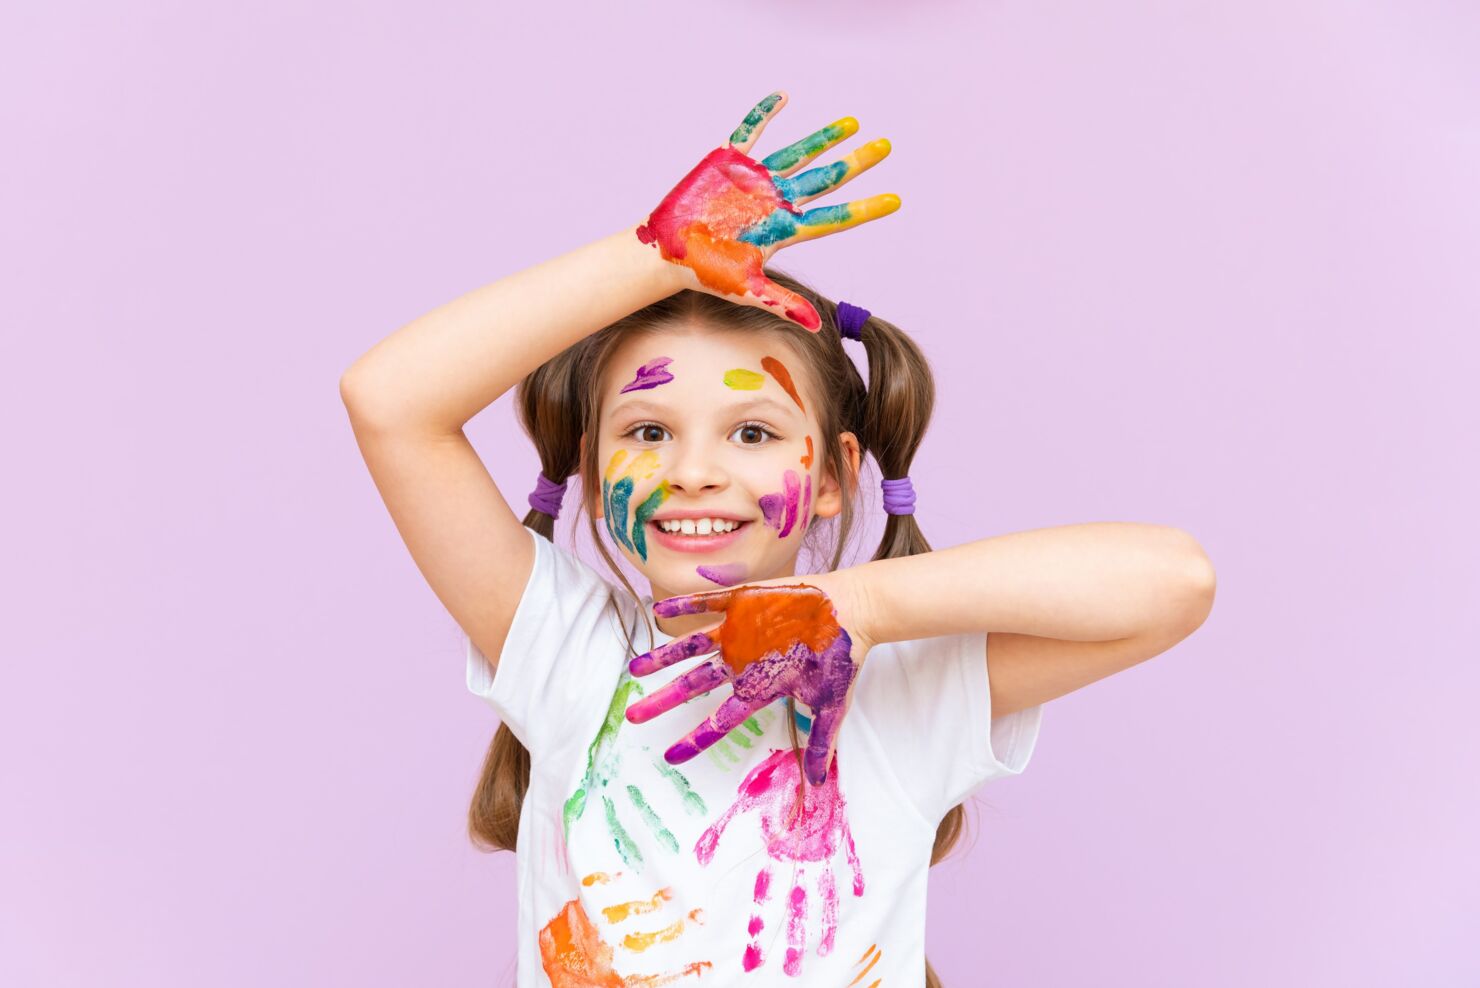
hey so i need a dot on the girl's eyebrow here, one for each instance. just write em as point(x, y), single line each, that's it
point(655, 408)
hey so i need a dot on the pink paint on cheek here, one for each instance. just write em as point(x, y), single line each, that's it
point(807, 502)
point(793, 491)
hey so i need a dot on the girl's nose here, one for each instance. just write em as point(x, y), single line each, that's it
point(696, 472)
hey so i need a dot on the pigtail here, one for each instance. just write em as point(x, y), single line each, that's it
point(896, 412)
point(550, 403)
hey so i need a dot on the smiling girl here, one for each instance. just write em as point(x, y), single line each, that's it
point(742, 775)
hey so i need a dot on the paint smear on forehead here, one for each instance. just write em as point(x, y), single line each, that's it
point(778, 370)
point(726, 575)
point(650, 375)
point(744, 380)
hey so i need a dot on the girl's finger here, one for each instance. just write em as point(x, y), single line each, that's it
point(784, 302)
point(699, 643)
point(794, 156)
point(823, 220)
point(815, 181)
point(749, 131)
point(699, 680)
point(728, 716)
point(693, 603)
point(821, 743)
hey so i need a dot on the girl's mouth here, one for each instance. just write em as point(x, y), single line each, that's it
point(679, 542)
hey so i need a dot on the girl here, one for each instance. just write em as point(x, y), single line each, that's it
point(743, 775)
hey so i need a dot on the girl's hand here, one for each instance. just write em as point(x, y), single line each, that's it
point(731, 213)
point(776, 641)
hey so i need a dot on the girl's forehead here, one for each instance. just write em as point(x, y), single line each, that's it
point(686, 365)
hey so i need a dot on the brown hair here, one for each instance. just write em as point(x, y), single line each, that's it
point(560, 400)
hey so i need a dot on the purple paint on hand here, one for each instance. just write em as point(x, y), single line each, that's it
point(650, 375)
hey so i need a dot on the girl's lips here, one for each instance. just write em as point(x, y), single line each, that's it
point(694, 543)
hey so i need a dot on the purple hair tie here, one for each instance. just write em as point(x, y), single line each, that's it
point(547, 495)
point(851, 319)
point(899, 496)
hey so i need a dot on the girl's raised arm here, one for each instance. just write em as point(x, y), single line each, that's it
point(409, 396)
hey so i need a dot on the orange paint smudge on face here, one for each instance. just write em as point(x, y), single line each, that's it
point(807, 460)
point(778, 370)
point(756, 624)
point(619, 912)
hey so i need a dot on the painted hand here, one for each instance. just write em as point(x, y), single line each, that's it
point(775, 641)
point(731, 213)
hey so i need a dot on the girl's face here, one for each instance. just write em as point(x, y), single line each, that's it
point(708, 449)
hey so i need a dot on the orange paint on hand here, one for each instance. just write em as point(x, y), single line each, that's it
point(778, 370)
point(757, 624)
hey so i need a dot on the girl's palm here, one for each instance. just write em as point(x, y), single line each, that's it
point(731, 213)
point(775, 641)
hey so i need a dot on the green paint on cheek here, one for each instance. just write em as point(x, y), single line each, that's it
point(744, 380)
point(644, 513)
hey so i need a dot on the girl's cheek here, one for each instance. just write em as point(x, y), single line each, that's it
point(626, 512)
point(789, 509)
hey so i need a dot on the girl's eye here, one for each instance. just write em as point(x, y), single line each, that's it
point(752, 429)
point(645, 432)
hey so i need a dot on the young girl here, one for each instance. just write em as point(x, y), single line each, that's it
point(743, 775)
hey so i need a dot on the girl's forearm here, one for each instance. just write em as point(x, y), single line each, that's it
point(437, 372)
point(1092, 582)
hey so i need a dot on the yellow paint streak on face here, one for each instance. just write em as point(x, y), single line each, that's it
point(744, 380)
point(616, 461)
point(619, 912)
point(644, 466)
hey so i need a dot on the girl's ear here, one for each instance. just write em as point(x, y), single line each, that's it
point(830, 494)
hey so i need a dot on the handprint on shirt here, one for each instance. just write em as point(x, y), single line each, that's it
point(731, 212)
point(574, 955)
point(775, 641)
point(603, 766)
point(811, 835)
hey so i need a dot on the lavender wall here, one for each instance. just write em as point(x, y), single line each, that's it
point(1211, 266)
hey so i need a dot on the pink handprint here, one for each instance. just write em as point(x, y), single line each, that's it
point(811, 836)
point(776, 641)
point(731, 212)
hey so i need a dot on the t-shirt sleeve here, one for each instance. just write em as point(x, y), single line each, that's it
point(929, 701)
point(552, 668)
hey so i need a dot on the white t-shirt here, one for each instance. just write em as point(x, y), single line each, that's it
point(629, 866)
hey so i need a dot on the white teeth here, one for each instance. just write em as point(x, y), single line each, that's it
point(698, 526)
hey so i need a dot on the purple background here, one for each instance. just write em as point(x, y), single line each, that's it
point(1210, 266)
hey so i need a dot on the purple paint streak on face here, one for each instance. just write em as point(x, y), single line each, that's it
point(726, 575)
point(650, 375)
point(793, 490)
point(771, 507)
point(807, 502)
